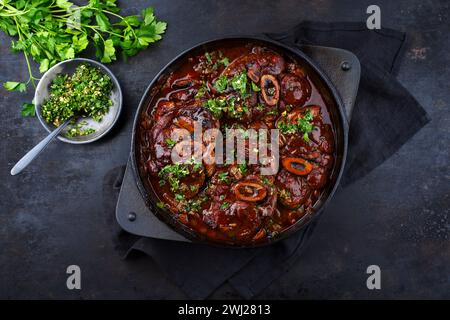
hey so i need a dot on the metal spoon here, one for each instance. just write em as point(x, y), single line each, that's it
point(33, 153)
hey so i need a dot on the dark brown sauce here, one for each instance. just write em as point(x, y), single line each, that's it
point(230, 210)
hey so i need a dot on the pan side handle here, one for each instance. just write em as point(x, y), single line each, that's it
point(343, 69)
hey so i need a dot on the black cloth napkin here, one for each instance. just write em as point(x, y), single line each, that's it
point(384, 118)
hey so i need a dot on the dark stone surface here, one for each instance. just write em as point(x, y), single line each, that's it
point(397, 217)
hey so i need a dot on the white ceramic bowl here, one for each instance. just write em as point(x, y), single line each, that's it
point(101, 128)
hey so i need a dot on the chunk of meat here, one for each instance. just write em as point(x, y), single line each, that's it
point(174, 126)
point(293, 190)
point(317, 178)
point(295, 90)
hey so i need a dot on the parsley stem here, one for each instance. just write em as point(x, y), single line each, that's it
point(118, 16)
point(19, 31)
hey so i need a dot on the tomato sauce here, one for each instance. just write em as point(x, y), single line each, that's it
point(239, 87)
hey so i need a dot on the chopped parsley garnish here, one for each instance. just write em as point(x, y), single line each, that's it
point(77, 129)
point(224, 61)
point(221, 84)
point(303, 124)
point(266, 181)
point(218, 57)
point(223, 177)
point(198, 166)
point(170, 143)
point(86, 93)
point(236, 111)
point(239, 82)
point(160, 205)
point(208, 57)
point(173, 173)
point(224, 206)
point(255, 87)
point(179, 197)
point(260, 107)
point(202, 91)
point(215, 106)
point(193, 206)
point(242, 167)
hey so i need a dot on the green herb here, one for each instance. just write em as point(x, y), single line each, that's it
point(266, 181)
point(222, 197)
point(221, 84)
point(216, 58)
point(303, 124)
point(15, 86)
point(50, 31)
point(28, 110)
point(235, 111)
point(255, 87)
point(223, 177)
point(160, 205)
point(179, 197)
point(197, 166)
point(85, 93)
point(193, 205)
point(170, 143)
point(208, 57)
point(173, 173)
point(260, 107)
point(224, 206)
point(239, 82)
point(202, 91)
point(287, 128)
point(76, 129)
point(224, 61)
point(215, 106)
point(242, 168)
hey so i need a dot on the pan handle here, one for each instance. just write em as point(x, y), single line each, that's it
point(343, 69)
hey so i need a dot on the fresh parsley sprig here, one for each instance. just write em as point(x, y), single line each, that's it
point(50, 31)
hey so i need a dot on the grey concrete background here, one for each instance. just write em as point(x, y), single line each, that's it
point(397, 217)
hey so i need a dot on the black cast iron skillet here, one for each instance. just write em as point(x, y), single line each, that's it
point(324, 85)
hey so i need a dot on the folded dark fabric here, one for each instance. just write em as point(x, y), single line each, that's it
point(385, 113)
point(385, 117)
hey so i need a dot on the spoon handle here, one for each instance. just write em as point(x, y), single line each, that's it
point(33, 153)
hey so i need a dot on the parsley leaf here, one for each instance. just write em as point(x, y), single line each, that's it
point(15, 86)
point(51, 31)
point(303, 124)
point(224, 206)
point(255, 87)
point(223, 177)
point(215, 106)
point(239, 82)
point(28, 110)
point(170, 143)
point(221, 84)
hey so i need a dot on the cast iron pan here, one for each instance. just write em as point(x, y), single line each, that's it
point(329, 93)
